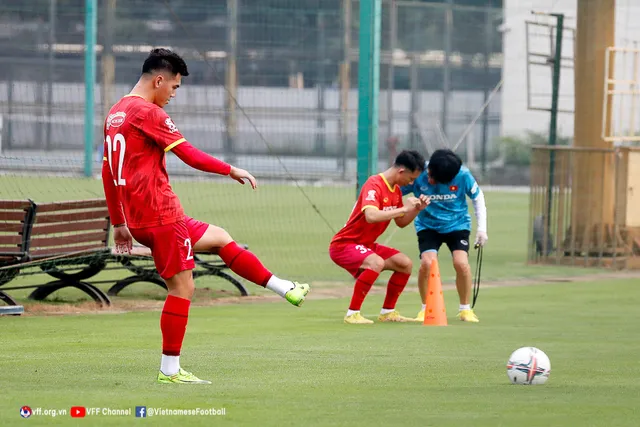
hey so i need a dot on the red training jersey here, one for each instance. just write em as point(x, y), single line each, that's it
point(137, 135)
point(376, 193)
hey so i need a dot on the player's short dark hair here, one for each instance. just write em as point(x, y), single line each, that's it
point(161, 59)
point(444, 165)
point(411, 160)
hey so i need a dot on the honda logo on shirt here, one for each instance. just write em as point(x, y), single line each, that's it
point(442, 197)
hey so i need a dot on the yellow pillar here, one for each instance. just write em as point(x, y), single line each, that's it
point(594, 180)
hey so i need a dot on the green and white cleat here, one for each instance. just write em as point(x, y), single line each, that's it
point(296, 295)
point(182, 377)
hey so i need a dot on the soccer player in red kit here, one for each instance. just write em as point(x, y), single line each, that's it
point(142, 205)
point(354, 247)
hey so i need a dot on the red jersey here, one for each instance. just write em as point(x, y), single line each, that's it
point(137, 135)
point(376, 193)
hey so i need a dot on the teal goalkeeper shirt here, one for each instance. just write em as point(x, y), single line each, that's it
point(448, 210)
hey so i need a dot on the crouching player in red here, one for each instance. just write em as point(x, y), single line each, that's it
point(354, 247)
point(142, 205)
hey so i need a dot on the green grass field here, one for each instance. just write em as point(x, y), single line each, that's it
point(275, 365)
point(272, 364)
point(282, 228)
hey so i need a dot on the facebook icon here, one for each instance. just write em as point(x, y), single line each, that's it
point(141, 412)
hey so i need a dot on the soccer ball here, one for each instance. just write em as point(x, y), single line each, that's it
point(528, 366)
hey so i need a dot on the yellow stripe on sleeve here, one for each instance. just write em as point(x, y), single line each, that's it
point(174, 144)
point(370, 206)
point(104, 159)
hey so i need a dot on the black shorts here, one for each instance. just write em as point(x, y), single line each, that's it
point(431, 240)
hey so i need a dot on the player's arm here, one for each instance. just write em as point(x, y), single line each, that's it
point(159, 127)
point(373, 214)
point(370, 196)
point(202, 161)
point(480, 209)
point(114, 205)
point(416, 204)
point(199, 159)
point(121, 234)
point(408, 189)
point(371, 201)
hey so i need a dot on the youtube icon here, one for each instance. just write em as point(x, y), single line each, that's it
point(78, 411)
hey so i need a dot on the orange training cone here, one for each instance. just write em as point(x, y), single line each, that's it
point(435, 313)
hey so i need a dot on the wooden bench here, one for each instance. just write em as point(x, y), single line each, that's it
point(15, 220)
point(68, 236)
point(69, 241)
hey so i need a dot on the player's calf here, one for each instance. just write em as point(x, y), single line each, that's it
point(174, 319)
point(248, 266)
point(364, 282)
point(397, 283)
point(463, 284)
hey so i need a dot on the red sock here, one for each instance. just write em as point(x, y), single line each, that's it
point(173, 324)
point(365, 280)
point(245, 264)
point(396, 285)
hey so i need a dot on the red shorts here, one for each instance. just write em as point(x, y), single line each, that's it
point(350, 256)
point(172, 244)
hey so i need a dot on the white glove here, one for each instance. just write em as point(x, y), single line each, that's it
point(481, 238)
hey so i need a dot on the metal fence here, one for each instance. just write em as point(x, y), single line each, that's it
point(583, 208)
point(291, 65)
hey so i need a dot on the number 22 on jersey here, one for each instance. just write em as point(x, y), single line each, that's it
point(115, 153)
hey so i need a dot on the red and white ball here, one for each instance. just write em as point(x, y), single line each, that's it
point(528, 366)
